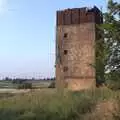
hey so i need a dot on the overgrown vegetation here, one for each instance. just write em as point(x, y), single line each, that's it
point(50, 105)
point(108, 47)
point(25, 86)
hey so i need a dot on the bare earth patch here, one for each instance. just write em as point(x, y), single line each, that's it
point(14, 91)
point(103, 111)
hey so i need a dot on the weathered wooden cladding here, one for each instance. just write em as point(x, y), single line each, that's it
point(75, 13)
point(67, 17)
point(83, 15)
point(60, 17)
point(78, 16)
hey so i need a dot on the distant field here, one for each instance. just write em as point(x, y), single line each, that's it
point(6, 84)
point(36, 84)
point(41, 84)
point(9, 87)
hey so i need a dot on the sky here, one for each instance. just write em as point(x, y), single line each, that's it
point(27, 35)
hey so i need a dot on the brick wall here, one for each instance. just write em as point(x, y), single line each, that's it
point(76, 34)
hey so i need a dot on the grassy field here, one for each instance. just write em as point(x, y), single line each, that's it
point(36, 84)
point(48, 104)
point(6, 84)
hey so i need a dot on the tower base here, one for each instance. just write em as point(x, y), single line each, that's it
point(81, 84)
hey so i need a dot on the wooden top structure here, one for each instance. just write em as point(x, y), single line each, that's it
point(78, 16)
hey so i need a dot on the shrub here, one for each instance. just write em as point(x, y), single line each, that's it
point(114, 85)
point(25, 86)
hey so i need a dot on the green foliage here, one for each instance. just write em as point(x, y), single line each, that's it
point(100, 61)
point(25, 86)
point(111, 27)
point(108, 47)
point(113, 80)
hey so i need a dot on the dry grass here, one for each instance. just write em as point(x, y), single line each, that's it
point(13, 91)
point(48, 104)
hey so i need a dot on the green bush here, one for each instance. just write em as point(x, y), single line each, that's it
point(25, 86)
point(113, 85)
point(113, 80)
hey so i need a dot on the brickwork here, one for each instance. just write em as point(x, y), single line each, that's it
point(75, 40)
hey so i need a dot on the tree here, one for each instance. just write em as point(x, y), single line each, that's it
point(110, 54)
point(112, 35)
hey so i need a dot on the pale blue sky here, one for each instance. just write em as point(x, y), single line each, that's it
point(27, 35)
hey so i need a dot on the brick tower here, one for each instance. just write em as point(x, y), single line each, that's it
point(75, 51)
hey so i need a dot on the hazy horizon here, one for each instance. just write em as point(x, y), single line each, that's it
point(27, 35)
